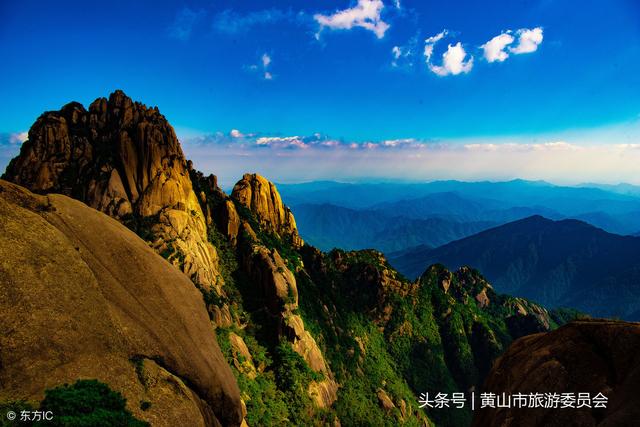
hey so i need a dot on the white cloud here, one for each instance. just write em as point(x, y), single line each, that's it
point(235, 133)
point(263, 66)
point(528, 40)
point(18, 138)
point(298, 158)
point(494, 49)
point(499, 47)
point(453, 60)
point(366, 14)
point(286, 142)
point(430, 42)
point(398, 53)
point(266, 60)
point(512, 147)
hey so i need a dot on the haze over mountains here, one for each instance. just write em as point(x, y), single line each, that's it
point(379, 213)
point(560, 263)
point(562, 246)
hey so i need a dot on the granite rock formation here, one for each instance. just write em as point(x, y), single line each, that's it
point(261, 197)
point(585, 356)
point(276, 280)
point(124, 159)
point(83, 297)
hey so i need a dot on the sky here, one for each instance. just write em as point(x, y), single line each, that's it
point(347, 90)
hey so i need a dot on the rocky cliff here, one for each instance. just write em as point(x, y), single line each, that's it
point(587, 356)
point(262, 198)
point(84, 297)
point(263, 229)
point(124, 159)
point(312, 338)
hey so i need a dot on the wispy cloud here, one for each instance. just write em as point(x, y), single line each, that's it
point(18, 137)
point(184, 23)
point(606, 156)
point(403, 56)
point(236, 138)
point(10, 144)
point(454, 60)
point(365, 14)
point(231, 22)
point(263, 66)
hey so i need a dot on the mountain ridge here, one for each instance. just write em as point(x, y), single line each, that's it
point(551, 261)
point(311, 337)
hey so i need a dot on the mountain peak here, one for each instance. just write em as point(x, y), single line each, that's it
point(123, 159)
point(261, 196)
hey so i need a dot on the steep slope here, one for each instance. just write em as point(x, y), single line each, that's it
point(559, 263)
point(311, 338)
point(261, 197)
point(597, 356)
point(124, 159)
point(356, 327)
point(84, 297)
point(382, 332)
point(329, 226)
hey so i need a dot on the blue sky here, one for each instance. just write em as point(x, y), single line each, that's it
point(312, 78)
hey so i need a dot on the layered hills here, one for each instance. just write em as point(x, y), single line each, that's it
point(210, 305)
point(329, 226)
point(559, 263)
point(393, 216)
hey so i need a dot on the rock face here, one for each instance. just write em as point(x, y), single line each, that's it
point(594, 356)
point(83, 297)
point(262, 198)
point(276, 280)
point(280, 298)
point(124, 159)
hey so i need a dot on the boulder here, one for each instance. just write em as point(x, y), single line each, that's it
point(585, 356)
point(82, 296)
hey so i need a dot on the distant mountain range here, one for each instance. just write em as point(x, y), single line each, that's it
point(396, 216)
point(559, 263)
point(329, 226)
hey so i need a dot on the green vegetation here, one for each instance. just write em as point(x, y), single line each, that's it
point(142, 226)
point(16, 406)
point(138, 363)
point(87, 403)
point(564, 315)
point(385, 339)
